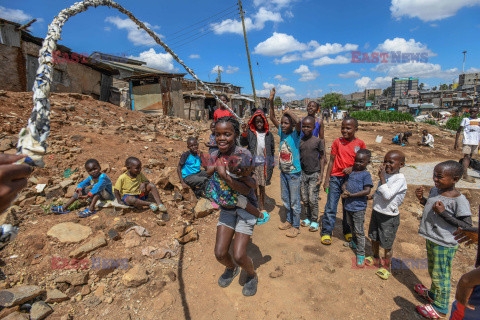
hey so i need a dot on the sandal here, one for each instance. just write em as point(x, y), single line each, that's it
point(285, 226)
point(305, 223)
point(153, 207)
point(372, 261)
point(326, 240)
point(293, 232)
point(265, 219)
point(348, 237)
point(162, 208)
point(383, 273)
point(59, 210)
point(360, 261)
point(85, 213)
point(428, 312)
point(423, 292)
point(313, 227)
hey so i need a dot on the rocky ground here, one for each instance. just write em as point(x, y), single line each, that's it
point(125, 264)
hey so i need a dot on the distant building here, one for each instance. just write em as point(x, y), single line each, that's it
point(403, 87)
point(468, 79)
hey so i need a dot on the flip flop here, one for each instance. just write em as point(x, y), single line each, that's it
point(313, 227)
point(348, 237)
point(162, 208)
point(59, 210)
point(423, 292)
point(372, 261)
point(85, 213)
point(428, 312)
point(265, 219)
point(326, 240)
point(383, 273)
point(305, 223)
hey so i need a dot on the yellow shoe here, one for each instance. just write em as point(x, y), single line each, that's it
point(348, 237)
point(326, 240)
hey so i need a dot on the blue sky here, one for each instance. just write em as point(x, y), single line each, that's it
point(303, 47)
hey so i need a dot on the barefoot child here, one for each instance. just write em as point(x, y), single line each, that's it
point(342, 158)
point(189, 169)
point(259, 140)
point(211, 144)
point(96, 187)
point(290, 168)
point(355, 192)
point(133, 188)
point(234, 222)
point(312, 154)
point(427, 139)
point(445, 210)
point(385, 219)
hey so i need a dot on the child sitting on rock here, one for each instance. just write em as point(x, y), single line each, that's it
point(239, 167)
point(189, 169)
point(133, 189)
point(96, 187)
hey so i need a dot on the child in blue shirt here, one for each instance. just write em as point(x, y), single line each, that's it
point(289, 162)
point(96, 187)
point(189, 168)
point(355, 192)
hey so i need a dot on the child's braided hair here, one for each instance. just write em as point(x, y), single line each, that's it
point(233, 121)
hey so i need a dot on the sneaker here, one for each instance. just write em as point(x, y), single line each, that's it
point(293, 232)
point(285, 226)
point(227, 277)
point(250, 287)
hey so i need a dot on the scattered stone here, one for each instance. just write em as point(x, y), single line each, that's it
point(18, 295)
point(329, 268)
point(88, 140)
point(5, 312)
point(92, 301)
point(66, 183)
point(85, 291)
point(277, 273)
point(70, 191)
point(109, 300)
point(171, 275)
point(16, 316)
point(40, 310)
point(54, 192)
point(113, 234)
point(100, 291)
point(131, 240)
point(123, 224)
point(69, 232)
point(135, 277)
point(74, 279)
point(95, 243)
point(189, 237)
point(55, 296)
point(203, 208)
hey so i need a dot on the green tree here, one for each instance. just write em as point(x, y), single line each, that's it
point(444, 86)
point(434, 88)
point(333, 99)
point(421, 86)
point(371, 97)
point(277, 101)
point(387, 92)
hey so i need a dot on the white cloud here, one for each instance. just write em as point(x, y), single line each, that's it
point(107, 29)
point(429, 10)
point(380, 82)
point(290, 95)
point(194, 56)
point(278, 4)
point(349, 74)
point(283, 89)
point(265, 92)
point(160, 61)
point(137, 36)
point(287, 59)
point(400, 44)
point(419, 69)
point(315, 93)
point(279, 44)
point(327, 60)
point(329, 48)
point(306, 74)
point(228, 69)
point(434, 25)
point(217, 68)
point(289, 14)
point(15, 15)
point(231, 69)
point(280, 78)
point(257, 23)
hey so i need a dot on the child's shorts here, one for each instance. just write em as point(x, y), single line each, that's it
point(237, 219)
point(462, 313)
point(104, 194)
point(138, 196)
point(383, 228)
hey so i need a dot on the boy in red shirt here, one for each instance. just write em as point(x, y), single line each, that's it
point(340, 166)
point(222, 111)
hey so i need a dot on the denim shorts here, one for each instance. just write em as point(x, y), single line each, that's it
point(138, 196)
point(237, 219)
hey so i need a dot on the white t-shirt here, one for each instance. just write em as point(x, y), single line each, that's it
point(260, 158)
point(471, 131)
point(428, 139)
point(389, 196)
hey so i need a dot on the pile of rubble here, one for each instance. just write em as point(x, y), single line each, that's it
point(70, 266)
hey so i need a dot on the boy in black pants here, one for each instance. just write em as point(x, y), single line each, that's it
point(189, 169)
point(312, 154)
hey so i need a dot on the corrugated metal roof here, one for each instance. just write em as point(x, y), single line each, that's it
point(140, 70)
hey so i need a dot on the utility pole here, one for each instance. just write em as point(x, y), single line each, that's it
point(475, 91)
point(219, 78)
point(463, 69)
point(248, 53)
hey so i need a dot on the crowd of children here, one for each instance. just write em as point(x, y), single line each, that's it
point(234, 178)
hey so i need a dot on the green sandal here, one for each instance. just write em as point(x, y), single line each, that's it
point(372, 261)
point(383, 273)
